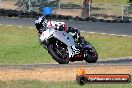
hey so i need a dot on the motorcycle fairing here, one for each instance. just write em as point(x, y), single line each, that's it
point(63, 37)
point(46, 34)
point(66, 39)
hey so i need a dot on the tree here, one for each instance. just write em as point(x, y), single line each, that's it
point(130, 2)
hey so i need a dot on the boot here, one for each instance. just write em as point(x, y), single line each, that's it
point(81, 40)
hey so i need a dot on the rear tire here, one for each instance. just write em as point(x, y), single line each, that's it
point(55, 56)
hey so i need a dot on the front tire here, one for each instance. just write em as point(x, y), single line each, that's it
point(92, 55)
point(56, 56)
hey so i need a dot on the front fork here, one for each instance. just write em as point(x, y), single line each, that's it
point(73, 51)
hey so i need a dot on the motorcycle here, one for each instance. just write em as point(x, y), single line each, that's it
point(63, 48)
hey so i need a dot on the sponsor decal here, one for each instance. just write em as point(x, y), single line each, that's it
point(83, 78)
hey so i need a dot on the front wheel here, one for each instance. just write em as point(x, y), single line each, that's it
point(59, 53)
point(91, 55)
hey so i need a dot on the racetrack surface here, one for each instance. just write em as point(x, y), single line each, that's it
point(101, 27)
point(126, 61)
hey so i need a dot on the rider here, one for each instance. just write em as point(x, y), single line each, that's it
point(42, 24)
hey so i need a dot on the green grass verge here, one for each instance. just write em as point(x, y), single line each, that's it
point(110, 46)
point(21, 46)
point(111, 1)
point(100, 1)
point(67, 84)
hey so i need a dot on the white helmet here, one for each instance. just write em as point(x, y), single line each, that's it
point(40, 22)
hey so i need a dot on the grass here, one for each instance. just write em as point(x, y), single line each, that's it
point(67, 84)
point(111, 1)
point(110, 46)
point(21, 46)
point(100, 1)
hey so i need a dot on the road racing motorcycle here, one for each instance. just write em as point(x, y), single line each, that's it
point(64, 49)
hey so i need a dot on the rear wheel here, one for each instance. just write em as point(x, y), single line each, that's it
point(59, 53)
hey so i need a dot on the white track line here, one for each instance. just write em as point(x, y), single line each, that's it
point(20, 26)
point(31, 27)
point(112, 34)
point(122, 35)
point(92, 32)
point(103, 33)
point(9, 25)
point(108, 34)
point(82, 31)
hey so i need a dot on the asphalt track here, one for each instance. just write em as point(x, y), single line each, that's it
point(101, 27)
point(115, 62)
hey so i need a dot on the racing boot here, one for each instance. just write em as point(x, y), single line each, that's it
point(82, 42)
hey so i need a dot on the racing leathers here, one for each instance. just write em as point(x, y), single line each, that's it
point(42, 25)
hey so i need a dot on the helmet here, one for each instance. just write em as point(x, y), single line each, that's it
point(40, 22)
